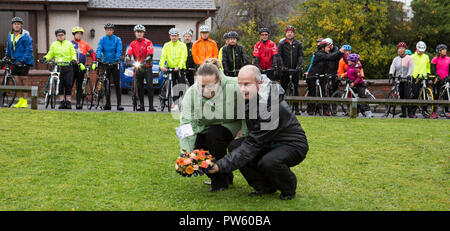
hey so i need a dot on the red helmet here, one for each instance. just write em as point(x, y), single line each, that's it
point(402, 44)
point(288, 28)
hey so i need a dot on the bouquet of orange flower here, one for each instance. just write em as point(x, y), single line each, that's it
point(195, 163)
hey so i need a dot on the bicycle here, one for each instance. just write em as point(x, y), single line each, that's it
point(394, 93)
point(87, 91)
point(165, 96)
point(51, 90)
point(348, 92)
point(425, 93)
point(444, 92)
point(101, 87)
point(290, 91)
point(7, 98)
point(318, 90)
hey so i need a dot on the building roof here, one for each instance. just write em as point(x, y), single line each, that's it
point(153, 4)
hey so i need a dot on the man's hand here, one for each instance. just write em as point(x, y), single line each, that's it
point(352, 85)
point(176, 69)
point(163, 69)
point(341, 50)
point(214, 169)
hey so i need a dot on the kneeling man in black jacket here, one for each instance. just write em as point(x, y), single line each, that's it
point(275, 142)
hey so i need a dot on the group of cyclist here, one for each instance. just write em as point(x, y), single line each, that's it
point(282, 63)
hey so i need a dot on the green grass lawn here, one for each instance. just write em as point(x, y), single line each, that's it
point(52, 160)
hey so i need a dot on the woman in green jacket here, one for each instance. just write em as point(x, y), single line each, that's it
point(213, 114)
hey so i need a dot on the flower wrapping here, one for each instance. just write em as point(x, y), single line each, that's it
point(194, 164)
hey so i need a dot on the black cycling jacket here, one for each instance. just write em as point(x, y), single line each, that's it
point(233, 58)
point(291, 54)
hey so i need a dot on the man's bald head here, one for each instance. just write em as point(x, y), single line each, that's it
point(249, 79)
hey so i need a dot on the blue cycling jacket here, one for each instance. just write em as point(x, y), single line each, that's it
point(23, 49)
point(110, 48)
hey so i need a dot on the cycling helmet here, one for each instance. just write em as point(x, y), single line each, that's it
point(319, 40)
point(353, 57)
point(174, 31)
point(191, 32)
point(225, 36)
point(57, 31)
point(17, 19)
point(328, 40)
point(77, 29)
point(402, 44)
point(288, 28)
point(440, 47)
point(139, 27)
point(262, 30)
point(421, 46)
point(347, 47)
point(322, 44)
point(408, 52)
point(109, 25)
point(233, 34)
point(204, 29)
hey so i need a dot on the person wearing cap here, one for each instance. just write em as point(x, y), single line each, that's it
point(190, 64)
point(63, 52)
point(234, 56)
point(83, 49)
point(421, 68)
point(343, 63)
point(109, 50)
point(174, 56)
point(141, 50)
point(291, 57)
point(204, 48)
point(19, 47)
point(402, 66)
point(265, 53)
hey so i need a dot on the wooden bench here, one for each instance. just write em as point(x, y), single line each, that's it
point(31, 89)
point(354, 102)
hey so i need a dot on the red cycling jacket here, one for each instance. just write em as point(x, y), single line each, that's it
point(140, 49)
point(264, 52)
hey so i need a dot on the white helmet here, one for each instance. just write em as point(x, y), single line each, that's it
point(328, 40)
point(173, 31)
point(204, 28)
point(139, 27)
point(188, 32)
point(421, 46)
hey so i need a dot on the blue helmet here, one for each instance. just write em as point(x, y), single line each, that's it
point(347, 47)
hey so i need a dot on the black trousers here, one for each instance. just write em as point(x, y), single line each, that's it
point(114, 74)
point(216, 139)
point(361, 90)
point(189, 76)
point(66, 80)
point(404, 89)
point(436, 91)
point(78, 76)
point(270, 170)
point(285, 82)
point(141, 74)
point(178, 78)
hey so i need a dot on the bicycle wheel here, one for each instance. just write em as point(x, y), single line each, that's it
point(162, 95)
point(378, 94)
point(290, 92)
point(87, 93)
point(169, 96)
point(134, 94)
point(97, 94)
point(53, 95)
point(305, 94)
point(426, 94)
point(9, 97)
point(391, 95)
point(339, 106)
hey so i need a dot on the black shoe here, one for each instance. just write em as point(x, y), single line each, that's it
point(403, 116)
point(151, 109)
point(119, 108)
point(298, 113)
point(107, 108)
point(68, 105)
point(79, 106)
point(62, 105)
point(141, 109)
point(287, 196)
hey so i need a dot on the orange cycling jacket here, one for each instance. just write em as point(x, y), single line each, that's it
point(203, 50)
point(343, 66)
